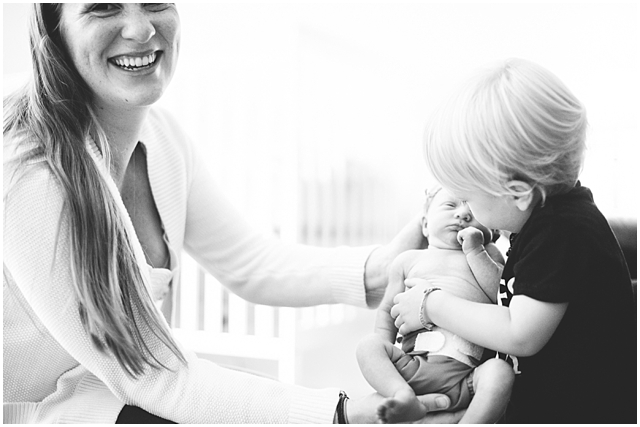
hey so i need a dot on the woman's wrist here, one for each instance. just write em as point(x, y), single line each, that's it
point(340, 416)
point(362, 411)
point(376, 276)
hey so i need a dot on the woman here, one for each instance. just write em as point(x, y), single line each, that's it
point(101, 192)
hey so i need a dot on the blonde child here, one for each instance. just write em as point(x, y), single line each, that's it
point(511, 144)
point(462, 259)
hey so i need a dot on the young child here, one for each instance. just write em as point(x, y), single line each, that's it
point(511, 144)
point(462, 259)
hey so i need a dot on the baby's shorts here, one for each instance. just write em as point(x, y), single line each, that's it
point(438, 374)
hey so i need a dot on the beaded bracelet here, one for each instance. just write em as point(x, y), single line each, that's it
point(427, 325)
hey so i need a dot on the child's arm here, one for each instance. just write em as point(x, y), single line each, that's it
point(521, 329)
point(486, 261)
point(384, 322)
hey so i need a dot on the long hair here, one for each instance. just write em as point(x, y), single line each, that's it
point(514, 121)
point(54, 111)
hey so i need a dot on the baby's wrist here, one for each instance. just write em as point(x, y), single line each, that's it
point(475, 250)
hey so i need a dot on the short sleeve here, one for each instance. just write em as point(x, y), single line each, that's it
point(553, 263)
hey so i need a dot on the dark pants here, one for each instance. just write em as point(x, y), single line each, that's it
point(135, 415)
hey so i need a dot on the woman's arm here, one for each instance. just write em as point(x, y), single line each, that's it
point(521, 329)
point(263, 269)
point(384, 322)
point(36, 258)
point(376, 275)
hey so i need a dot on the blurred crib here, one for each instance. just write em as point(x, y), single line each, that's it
point(330, 205)
point(226, 329)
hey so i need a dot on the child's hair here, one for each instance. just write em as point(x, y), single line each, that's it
point(515, 121)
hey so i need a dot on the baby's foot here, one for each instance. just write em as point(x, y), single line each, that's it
point(402, 407)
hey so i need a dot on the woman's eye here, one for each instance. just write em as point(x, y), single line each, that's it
point(103, 8)
point(157, 7)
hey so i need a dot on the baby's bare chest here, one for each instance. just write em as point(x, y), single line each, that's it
point(446, 269)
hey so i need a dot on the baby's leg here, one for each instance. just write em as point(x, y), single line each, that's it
point(379, 361)
point(492, 382)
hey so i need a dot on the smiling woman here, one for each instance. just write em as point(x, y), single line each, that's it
point(308, 116)
point(109, 45)
point(102, 193)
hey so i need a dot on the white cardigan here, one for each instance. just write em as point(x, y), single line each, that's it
point(52, 373)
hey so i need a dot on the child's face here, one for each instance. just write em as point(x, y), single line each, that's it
point(446, 216)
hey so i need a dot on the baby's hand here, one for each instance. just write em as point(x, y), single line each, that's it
point(471, 239)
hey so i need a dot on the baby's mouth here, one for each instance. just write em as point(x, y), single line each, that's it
point(133, 63)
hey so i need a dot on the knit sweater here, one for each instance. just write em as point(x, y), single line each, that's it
point(52, 372)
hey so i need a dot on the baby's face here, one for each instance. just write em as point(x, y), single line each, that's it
point(445, 217)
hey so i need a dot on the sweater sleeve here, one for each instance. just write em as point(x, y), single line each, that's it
point(262, 269)
point(36, 256)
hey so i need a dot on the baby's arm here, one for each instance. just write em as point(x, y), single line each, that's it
point(486, 261)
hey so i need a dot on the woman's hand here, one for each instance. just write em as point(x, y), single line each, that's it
point(376, 270)
point(364, 411)
point(407, 306)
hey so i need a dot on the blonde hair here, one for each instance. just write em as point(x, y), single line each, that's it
point(514, 121)
point(54, 111)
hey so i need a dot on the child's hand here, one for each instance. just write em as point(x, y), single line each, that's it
point(407, 305)
point(471, 239)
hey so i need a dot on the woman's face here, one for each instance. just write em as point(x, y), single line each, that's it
point(125, 52)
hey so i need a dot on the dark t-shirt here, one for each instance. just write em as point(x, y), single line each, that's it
point(586, 373)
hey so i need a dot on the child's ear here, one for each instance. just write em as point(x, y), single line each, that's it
point(524, 196)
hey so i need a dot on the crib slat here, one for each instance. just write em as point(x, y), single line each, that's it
point(238, 309)
point(213, 309)
point(189, 294)
point(264, 321)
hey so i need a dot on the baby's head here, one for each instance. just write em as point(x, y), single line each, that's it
point(444, 215)
point(513, 122)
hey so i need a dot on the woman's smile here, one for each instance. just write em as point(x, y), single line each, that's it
point(135, 62)
point(126, 53)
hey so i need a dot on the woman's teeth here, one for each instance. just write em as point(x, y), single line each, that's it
point(132, 63)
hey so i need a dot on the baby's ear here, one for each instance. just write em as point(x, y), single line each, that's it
point(423, 222)
point(522, 193)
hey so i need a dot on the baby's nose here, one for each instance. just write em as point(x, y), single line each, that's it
point(464, 213)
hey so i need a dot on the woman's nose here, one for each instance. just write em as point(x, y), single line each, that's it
point(138, 26)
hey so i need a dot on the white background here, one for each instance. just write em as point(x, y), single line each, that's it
point(281, 95)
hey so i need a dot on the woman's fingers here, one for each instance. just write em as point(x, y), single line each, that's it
point(436, 404)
